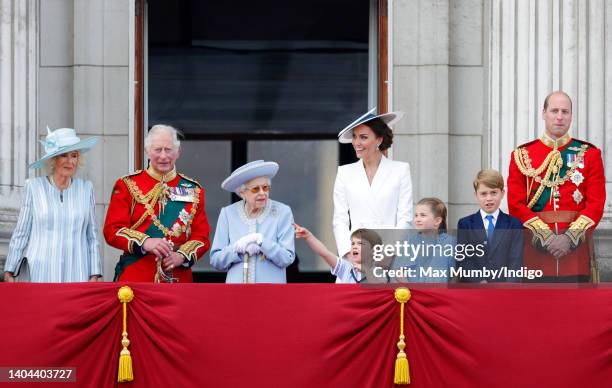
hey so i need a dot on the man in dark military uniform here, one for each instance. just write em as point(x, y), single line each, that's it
point(556, 187)
point(156, 217)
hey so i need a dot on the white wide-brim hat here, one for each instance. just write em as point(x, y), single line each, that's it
point(390, 118)
point(61, 141)
point(251, 170)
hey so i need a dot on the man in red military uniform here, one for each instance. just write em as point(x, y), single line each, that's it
point(556, 187)
point(156, 217)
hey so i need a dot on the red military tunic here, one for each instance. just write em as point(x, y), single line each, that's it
point(556, 188)
point(134, 214)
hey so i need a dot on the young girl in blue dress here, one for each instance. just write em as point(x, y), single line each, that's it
point(436, 252)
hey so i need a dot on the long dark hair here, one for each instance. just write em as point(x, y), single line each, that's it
point(381, 129)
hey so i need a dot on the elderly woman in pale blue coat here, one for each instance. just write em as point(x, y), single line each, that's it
point(56, 229)
point(254, 239)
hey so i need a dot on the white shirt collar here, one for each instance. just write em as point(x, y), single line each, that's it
point(484, 215)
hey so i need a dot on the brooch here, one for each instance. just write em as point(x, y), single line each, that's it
point(577, 178)
point(176, 228)
point(577, 196)
point(184, 217)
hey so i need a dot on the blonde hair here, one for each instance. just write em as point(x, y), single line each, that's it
point(492, 179)
point(438, 208)
point(50, 163)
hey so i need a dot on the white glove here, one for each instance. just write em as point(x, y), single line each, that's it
point(256, 238)
point(253, 249)
point(242, 243)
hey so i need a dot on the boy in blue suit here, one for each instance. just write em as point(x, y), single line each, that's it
point(500, 234)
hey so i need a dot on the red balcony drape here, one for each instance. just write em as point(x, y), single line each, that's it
point(214, 335)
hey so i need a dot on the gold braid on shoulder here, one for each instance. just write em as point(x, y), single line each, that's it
point(552, 164)
point(149, 201)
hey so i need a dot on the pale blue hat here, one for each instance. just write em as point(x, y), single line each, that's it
point(61, 141)
point(251, 170)
point(390, 118)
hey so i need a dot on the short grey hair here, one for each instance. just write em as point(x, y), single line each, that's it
point(159, 128)
point(243, 186)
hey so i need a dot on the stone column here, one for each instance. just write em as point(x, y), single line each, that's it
point(439, 80)
point(420, 73)
point(100, 93)
point(18, 80)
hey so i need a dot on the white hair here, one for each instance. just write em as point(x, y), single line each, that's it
point(160, 128)
point(243, 186)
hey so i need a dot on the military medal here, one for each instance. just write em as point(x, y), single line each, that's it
point(184, 217)
point(577, 178)
point(176, 228)
point(182, 194)
point(577, 196)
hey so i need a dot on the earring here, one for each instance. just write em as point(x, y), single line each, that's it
point(378, 146)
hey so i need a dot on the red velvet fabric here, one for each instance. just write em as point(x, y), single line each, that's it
point(195, 335)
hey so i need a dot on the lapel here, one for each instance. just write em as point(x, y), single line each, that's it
point(478, 225)
point(501, 226)
point(384, 169)
point(370, 191)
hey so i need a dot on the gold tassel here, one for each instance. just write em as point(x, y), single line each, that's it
point(402, 369)
point(125, 372)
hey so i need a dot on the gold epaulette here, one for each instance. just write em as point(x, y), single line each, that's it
point(527, 144)
point(131, 174)
point(189, 179)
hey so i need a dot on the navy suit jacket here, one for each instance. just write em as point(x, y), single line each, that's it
point(505, 249)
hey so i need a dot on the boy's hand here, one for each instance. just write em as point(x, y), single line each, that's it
point(301, 232)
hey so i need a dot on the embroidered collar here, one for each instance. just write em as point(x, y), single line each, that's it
point(159, 177)
point(560, 142)
point(252, 221)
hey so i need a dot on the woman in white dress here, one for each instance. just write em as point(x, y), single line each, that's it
point(56, 230)
point(374, 192)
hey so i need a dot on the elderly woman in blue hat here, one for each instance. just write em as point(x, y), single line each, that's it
point(375, 192)
point(254, 240)
point(56, 230)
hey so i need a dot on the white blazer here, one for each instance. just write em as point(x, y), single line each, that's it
point(387, 203)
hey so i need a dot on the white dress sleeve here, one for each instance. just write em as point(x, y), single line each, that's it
point(21, 234)
point(404, 204)
point(341, 220)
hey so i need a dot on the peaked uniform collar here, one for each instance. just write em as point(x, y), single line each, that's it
point(159, 177)
point(559, 143)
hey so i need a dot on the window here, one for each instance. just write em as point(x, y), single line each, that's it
point(275, 81)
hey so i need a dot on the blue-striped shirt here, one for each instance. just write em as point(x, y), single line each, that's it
point(57, 235)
